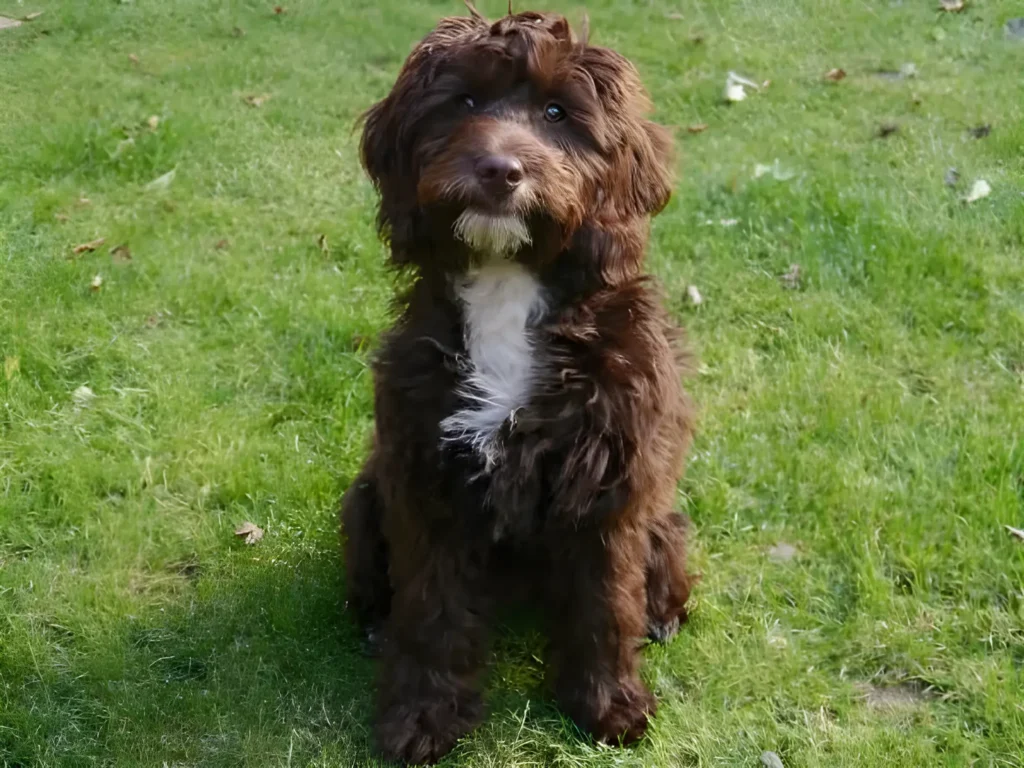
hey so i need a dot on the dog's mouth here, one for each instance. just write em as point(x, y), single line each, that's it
point(492, 232)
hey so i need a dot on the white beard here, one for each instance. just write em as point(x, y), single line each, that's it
point(490, 234)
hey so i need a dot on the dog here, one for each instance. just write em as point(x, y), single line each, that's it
point(530, 419)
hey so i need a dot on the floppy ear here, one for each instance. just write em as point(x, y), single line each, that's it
point(647, 169)
point(640, 174)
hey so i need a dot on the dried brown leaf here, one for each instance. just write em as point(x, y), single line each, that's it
point(835, 75)
point(1017, 533)
point(279, 10)
point(885, 130)
point(697, 127)
point(221, 244)
point(96, 283)
point(89, 247)
point(791, 278)
point(321, 243)
point(12, 365)
point(133, 58)
point(250, 533)
point(121, 254)
point(782, 552)
point(257, 101)
point(32, 16)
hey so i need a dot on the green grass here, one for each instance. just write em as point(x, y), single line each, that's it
point(872, 418)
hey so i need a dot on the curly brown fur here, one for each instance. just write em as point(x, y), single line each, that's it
point(529, 406)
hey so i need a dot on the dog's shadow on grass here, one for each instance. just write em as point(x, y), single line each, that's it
point(259, 657)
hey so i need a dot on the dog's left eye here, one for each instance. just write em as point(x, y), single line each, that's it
point(554, 112)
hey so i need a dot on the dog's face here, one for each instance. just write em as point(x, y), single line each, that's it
point(508, 137)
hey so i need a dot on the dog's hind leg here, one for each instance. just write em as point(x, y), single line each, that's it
point(668, 583)
point(366, 555)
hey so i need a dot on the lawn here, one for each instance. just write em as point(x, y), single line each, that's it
point(861, 445)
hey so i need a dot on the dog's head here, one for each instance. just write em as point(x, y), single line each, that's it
point(508, 138)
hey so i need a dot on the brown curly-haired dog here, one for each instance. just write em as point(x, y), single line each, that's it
point(530, 418)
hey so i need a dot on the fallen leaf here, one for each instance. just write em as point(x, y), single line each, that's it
point(980, 189)
point(905, 72)
point(121, 254)
point(161, 182)
point(894, 697)
point(777, 171)
point(951, 6)
point(122, 146)
point(11, 366)
point(89, 247)
point(980, 131)
point(249, 532)
point(6, 23)
point(782, 552)
point(96, 283)
point(83, 396)
point(736, 85)
point(835, 75)
point(697, 127)
point(791, 278)
point(1017, 533)
point(321, 243)
point(278, 10)
point(133, 58)
point(257, 101)
point(32, 16)
point(221, 244)
point(885, 130)
point(1014, 29)
point(771, 760)
point(153, 121)
point(238, 32)
point(693, 295)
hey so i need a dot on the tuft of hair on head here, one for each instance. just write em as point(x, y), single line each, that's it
point(509, 7)
point(473, 11)
point(585, 29)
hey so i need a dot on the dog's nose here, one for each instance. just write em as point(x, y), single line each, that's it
point(499, 174)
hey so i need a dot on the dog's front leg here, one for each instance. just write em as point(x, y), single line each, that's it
point(598, 614)
point(434, 644)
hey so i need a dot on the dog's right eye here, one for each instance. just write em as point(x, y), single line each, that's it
point(468, 100)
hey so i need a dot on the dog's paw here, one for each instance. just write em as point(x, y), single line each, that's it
point(624, 721)
point(422, 732)
point(662, 631)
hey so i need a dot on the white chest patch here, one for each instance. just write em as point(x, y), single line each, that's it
point(501, 301)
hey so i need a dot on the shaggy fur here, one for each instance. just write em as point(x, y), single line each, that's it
point(530, 419)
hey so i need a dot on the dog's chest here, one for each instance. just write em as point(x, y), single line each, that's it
point(501, 304)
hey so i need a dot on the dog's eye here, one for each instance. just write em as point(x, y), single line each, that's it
point(468, 100)
point(553, 113)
